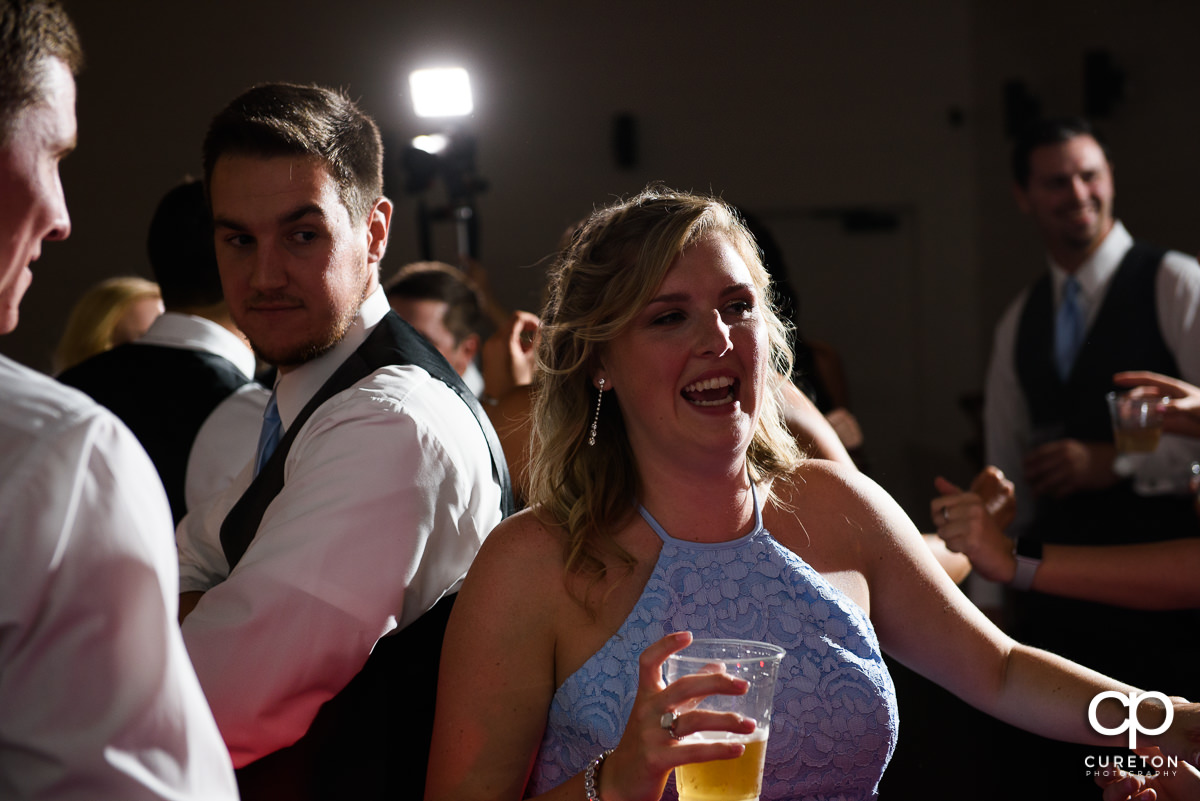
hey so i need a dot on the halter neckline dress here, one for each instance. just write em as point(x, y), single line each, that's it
point(834, 722)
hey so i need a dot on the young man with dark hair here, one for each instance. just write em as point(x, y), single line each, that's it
point(445, 307)
point(1048, 131)
point(97, 698)
point(316, 588)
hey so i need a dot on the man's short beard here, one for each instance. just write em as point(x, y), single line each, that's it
point(1093, 237)
point(310, 350)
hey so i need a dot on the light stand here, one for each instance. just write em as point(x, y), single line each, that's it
point(449, 156)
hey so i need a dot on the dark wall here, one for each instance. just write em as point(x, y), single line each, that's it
point(799, 111)
point(1151, 130)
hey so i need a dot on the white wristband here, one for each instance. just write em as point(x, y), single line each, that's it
point(1028, 554)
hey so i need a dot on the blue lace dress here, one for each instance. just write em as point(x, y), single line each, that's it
point(834, 724)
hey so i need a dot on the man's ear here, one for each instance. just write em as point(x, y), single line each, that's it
point(379, 223)
point(470, 346)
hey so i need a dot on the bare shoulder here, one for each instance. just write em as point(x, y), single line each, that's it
point(524, 541)
point(519, 567)
point(836, 514)
point(823, 489)
point(492, 695)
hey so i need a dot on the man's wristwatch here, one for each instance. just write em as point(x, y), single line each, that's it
point(1028, 554)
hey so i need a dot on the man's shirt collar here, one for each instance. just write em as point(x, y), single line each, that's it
point(296, 388)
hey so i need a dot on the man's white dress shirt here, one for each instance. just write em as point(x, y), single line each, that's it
point(388, 495)
point(1009, 433)
point(97, 697)
point(220, 447)
point(189, 332)
point(224, 442)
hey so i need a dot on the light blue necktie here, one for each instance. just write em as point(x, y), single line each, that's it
point(1068, 328)
point(272, 428)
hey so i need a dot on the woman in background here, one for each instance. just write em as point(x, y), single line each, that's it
point(111, 313)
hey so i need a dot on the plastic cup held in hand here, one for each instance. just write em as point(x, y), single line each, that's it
point(1137, 421)
point(757, 663)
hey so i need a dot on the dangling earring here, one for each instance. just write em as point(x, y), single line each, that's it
point(596, 419)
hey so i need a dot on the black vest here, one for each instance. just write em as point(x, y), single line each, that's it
point(164, 395)
point(371, 740)
point(1124, 336)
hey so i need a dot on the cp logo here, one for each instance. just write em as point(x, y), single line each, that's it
point(1133, 724)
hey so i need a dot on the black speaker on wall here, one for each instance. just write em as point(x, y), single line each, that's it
point(625, 141)
point(1021, 107)
point(1103, 83)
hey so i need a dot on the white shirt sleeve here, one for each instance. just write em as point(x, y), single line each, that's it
point(1007, 426)
point(1177, 294)
point(97, 697)
point(388, 494)
point(225, 442)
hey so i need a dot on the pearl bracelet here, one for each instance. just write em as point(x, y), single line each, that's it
point(589, 776)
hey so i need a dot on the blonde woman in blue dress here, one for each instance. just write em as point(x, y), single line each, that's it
point(669, 502)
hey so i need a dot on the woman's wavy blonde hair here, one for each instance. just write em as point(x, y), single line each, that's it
point(92, 325)
point(601, 280)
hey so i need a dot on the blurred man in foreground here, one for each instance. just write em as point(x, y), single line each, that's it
point(97, 697)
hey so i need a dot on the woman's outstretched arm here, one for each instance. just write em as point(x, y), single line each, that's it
point(924, 621)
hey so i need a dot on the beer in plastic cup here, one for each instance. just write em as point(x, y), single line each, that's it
point(737, 779)
point(1136, 421)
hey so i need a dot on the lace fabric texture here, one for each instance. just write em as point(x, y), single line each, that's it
point(834, 722)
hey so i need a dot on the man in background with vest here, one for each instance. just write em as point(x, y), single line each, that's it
point(1107, 303)
point(314, 590)
point(165, 384)
point(446, 308)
